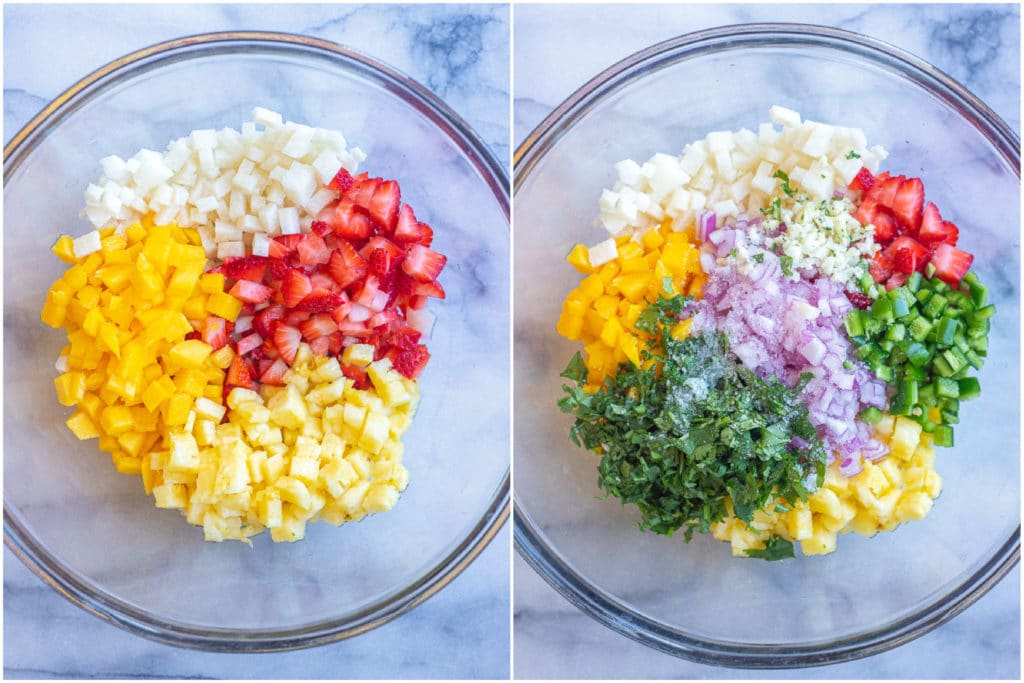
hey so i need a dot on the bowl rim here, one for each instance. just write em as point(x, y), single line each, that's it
point(528, 537)
point(84, 593)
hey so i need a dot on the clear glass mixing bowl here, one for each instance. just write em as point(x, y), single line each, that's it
point(696, 601)
point(93, 534)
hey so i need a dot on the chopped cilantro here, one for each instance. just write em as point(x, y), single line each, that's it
point(781, 175)
point(694, 430)
point(786, 263)
point(664, 312)
point(775, 548)
point(759, 257)
point(852, 155)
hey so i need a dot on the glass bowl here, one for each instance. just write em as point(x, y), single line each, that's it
point(93, 534)
point(696, 601)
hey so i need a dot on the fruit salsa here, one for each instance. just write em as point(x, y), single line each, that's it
point(246, 327)
point(775, 336)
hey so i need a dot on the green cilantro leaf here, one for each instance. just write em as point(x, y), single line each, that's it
point(775, 548)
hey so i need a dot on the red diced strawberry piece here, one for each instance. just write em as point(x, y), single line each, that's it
point(952, 233)
point(295, 287)
point(394, 251)
point(431, 289)
point(321, 346)
point(287, 340)
point(895, 280)
point(380, 261)
point(258, 354)
point(250, 292)
point(322, 228)
point(341, 311)
point(411, 363)
point(349, 220)
point(335, 341)
point(907, 254)
point(277, 268)
point(886, 226)
point(358, 375)
point(362, 190)
point(384, 318)
point(908, 203)
point(367, 294)
point(931, 229)
point(417, 303)
point(274, 374)
point(283, 245)
point(215, 332)
point(422, 264)
point(862, 181)
point(341, 182)
point(384, 203)
point(951, 264)
point(312, 250)
point(245, 268)
point(268, 350)
point(239, 374)
point(318, 326)
point(263, 322)
point(884, 190)
point(346, 265)
point(248, 343)
point(404, 338)
point(903, 259)
point(881, 267)
point(295, 317)
point(354, 328)
point(858, 300)
point(321, 303)
point(410, 231)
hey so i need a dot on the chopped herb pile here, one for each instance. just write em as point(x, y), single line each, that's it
point(694, 430)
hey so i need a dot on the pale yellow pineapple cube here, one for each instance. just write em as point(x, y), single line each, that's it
point(287, 408)
point(171, 496)
point(184, 453)
point(358, 354)
point(380, 498)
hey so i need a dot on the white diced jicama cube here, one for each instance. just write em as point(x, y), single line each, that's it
point(326, 165)
point(320, 199)
point(223, 231)
point(268, 217)
point(132, 164)
point(260, 244)
point(93, 194)
point(299, 143)
point(177, 155)
point(602, 252)
point(692, 159)
point(247, 183)
point(723, 162)
point(629, 172)
point(265, 117)
point(719, 141)
point(151, 170)
point(206, 204)
point(255, 154)
point(763, 179)
point(163, 195)
point(782, 116)
point(299, 182)
point(62, 364)
point(114, 168)
point(819, 138)
point(230, 250)
point(288, 219)
point(726, 207)
point(236, 205)
point(86, 244)
point(250, 223)
point(613, 223)
point(668, 175)
point(205, 138)
point(679, 201)
point(207, 164)
point(607, 200)
point(112, 199)
point(97, 215)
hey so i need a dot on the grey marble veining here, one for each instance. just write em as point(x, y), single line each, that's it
point(977, 45)
point(461, 53)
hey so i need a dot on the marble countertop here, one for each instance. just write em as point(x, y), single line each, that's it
point(461, 53)
point(979, 46)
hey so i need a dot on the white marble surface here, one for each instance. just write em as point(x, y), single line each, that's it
point(978, 46)
point(461, 54)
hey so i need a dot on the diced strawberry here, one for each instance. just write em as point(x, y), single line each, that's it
point(215, 332)
point(423, 264)
point(318, 326)
point(881, 267)
point(380, 261)
point(357, 375)
point(349, 220)
point(264, 321)
point(268, 350)
point(410, 231)
point(341, 182)
point(335, 342)
point(362, 190)
point(277, 268)
point(403, 338)
point(884, 190)
point(250, 292)
point(321, 303)
point(353, 328)
point(384, 203)
point(239, 374)
point(274, 374)
point(886, 227)
point(249, 268)
point(384, 318)
point(952, 233)
point(295, 287)
point(895, 280)
point(858, 300)
point(287, 340)
point(907, 254)
point(417, 303)
point(341, 311)
point(931, 229)
point(321, 228)
point(295, 317)
point(908, 203)
point(431, 289)
point(248, 343)
point(283, 245)
point(411, 363)
point(346, 265)
point(862, 181)
point(321, 346)
point(951, 264)
point(312, 250)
